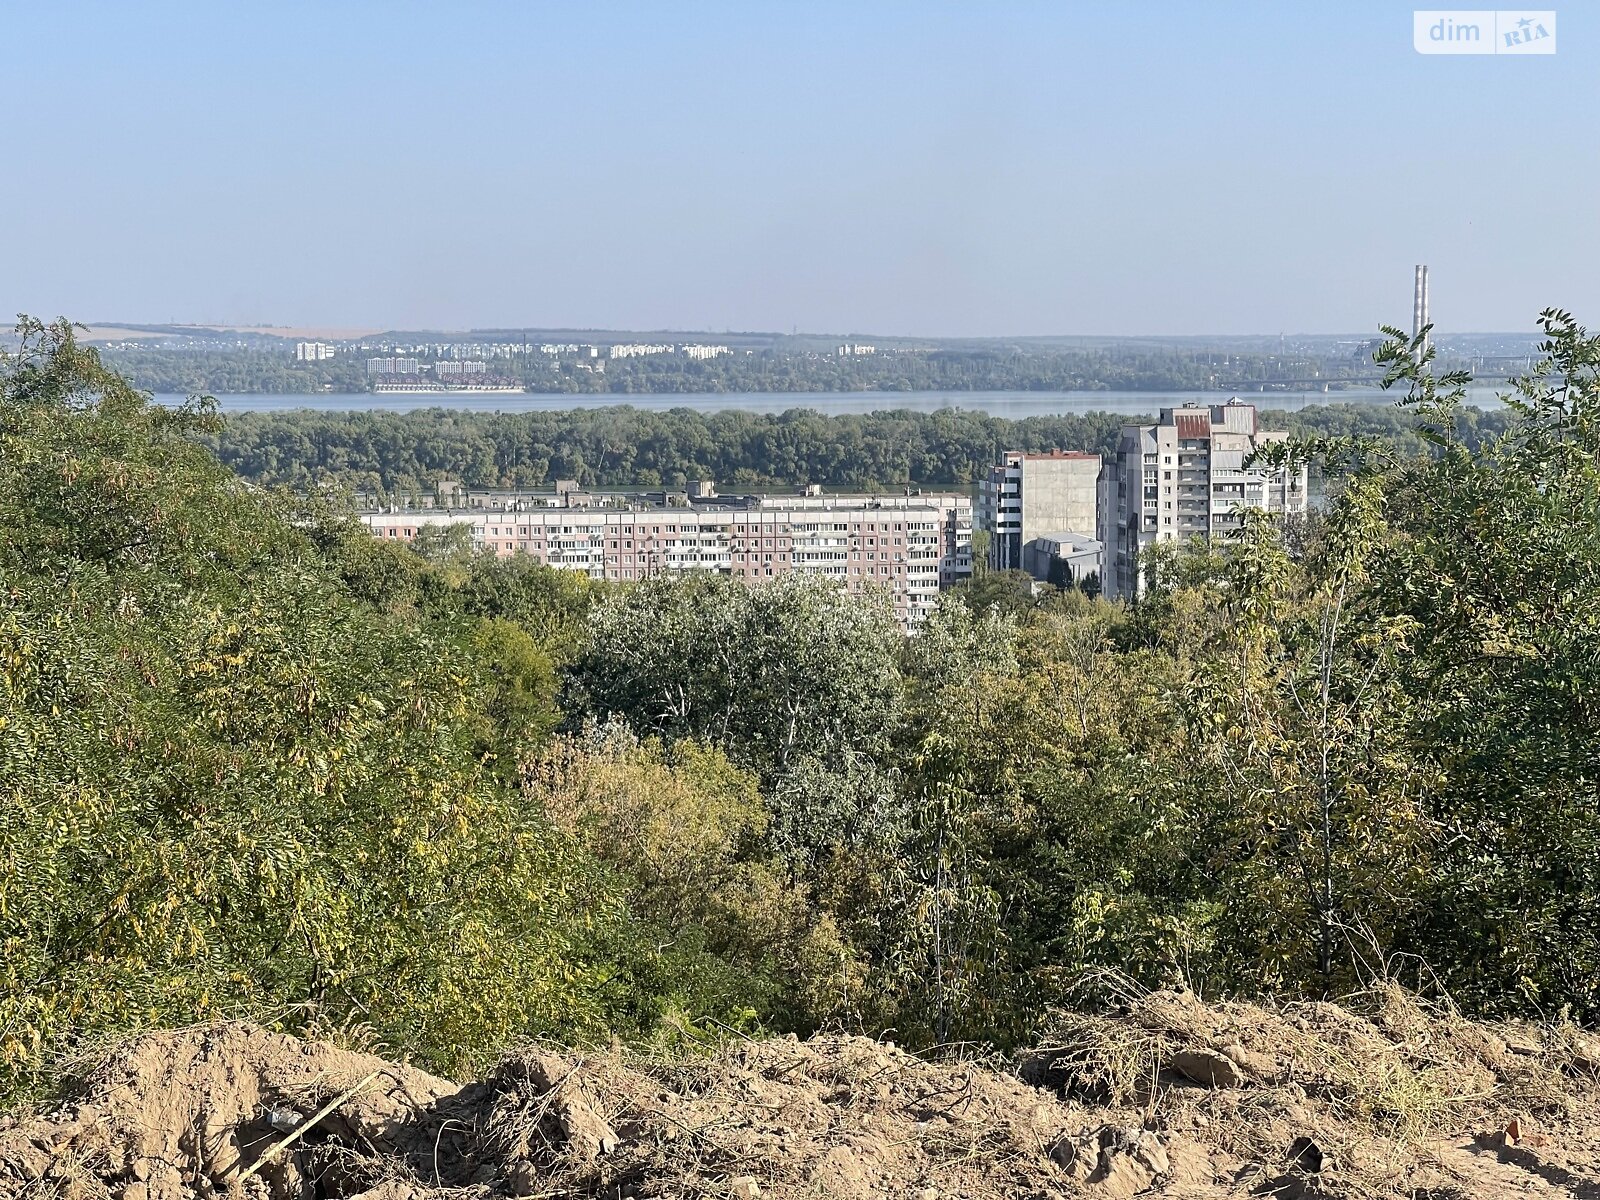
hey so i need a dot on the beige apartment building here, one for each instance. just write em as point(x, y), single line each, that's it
point(1184, 477)
point(910, 547)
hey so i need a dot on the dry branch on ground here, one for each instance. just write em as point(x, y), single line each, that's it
point(1172, 1097)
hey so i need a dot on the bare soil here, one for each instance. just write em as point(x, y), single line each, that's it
point(1171, 1098)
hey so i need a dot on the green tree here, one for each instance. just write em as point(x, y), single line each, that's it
point(720, 933)
point(520, 701)
point(1498, 568)
point(227, 783)
point(794, 679)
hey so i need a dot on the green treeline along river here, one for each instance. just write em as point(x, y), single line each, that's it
point(407, 453)
point(1005, 404)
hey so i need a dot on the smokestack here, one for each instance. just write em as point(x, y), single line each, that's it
point(1419, 306)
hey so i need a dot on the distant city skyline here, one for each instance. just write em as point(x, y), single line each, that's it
point(503, 335)
point(896, 170)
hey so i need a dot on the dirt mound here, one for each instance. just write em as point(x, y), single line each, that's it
point(1171, 1098)
point(170, 1115)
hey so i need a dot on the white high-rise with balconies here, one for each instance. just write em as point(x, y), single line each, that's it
point(1186, 477)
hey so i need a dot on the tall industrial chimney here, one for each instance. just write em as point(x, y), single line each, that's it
point(1419, 306)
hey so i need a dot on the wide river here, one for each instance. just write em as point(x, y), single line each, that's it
point(999, 404)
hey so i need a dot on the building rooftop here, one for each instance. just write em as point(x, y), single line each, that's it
point(1071, 537)
point(502, 501)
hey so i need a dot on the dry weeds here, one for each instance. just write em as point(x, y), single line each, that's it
point(1385, 1097)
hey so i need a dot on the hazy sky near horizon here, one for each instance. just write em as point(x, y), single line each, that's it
point(891, 167)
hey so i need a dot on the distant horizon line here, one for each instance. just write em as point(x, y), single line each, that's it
point(352, 333)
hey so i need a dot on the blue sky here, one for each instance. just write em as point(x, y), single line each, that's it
point(898, 168)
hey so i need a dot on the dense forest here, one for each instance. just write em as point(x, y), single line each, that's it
point(407, 454)
point(223, 372)
point(254, 762)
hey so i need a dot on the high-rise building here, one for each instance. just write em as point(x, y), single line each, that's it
point(313, 351)
point(1031, 496)
point(1186, 477)
point(393, 366)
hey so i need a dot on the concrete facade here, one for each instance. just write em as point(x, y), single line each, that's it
point(911, 547)
point(1029, 495)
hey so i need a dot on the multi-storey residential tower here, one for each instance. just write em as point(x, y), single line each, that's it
point(1030, 496)
point(1186, 477)
point(909, 547)
point(394, 366)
